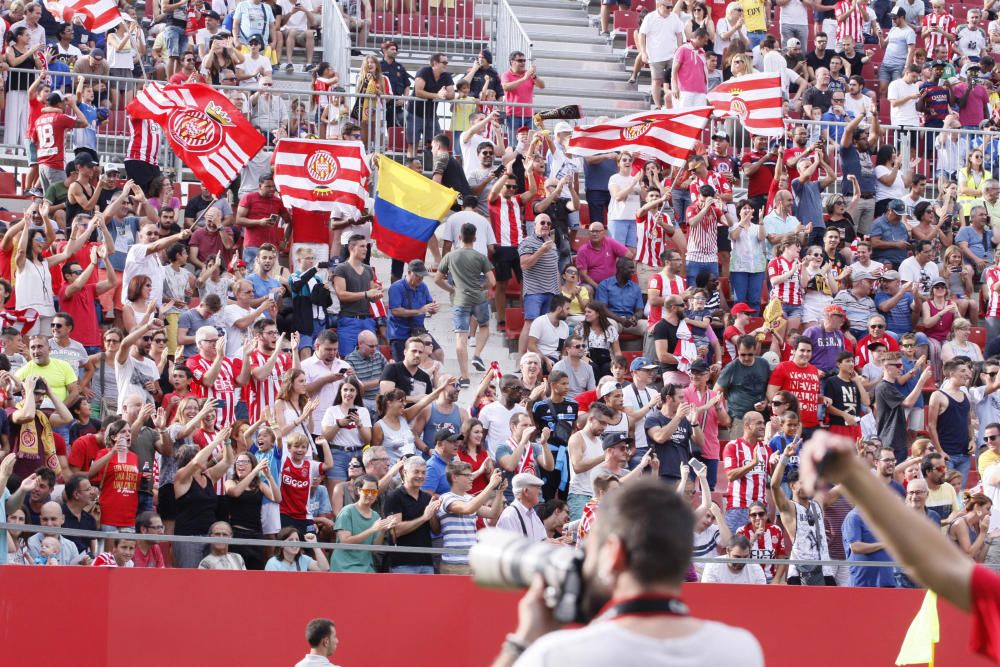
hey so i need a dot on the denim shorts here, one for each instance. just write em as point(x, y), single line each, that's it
point(791, 311)
point(536, 305)
point(341, 458)
point(176, 41)
point(461, 315)
point(624, 231)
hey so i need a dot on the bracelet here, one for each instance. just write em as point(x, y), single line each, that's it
point(513, 646)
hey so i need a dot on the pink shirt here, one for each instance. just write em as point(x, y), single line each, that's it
point(600, 263)
point(972, 113)
point(691, 75)
point(523, 93)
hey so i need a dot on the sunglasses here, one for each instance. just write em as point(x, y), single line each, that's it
point(991, 438)
point(369, 492)
point(774, 402)
point(355, 465)
point(754, 515)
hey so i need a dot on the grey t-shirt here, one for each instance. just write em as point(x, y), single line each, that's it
point(73, 354)
point(580, 379)
point(356, 282)
point(543, 276)
point(191, 320)
point(891, 417)
point(466, 268)
point(744, 386)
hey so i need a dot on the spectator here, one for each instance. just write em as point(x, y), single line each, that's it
point(734, 572)
point(368, 363)
point(766, 541)
point(948, 416)
point(659, 37)
point(959, 345)
point(804, 520)
point(745, 459)
point(819, 95)
point(971, 39)
point(688, 73)
point(539, 260)
point(507, 218)
point(219, 556)
point(548, 333)
point(432, 83)
point(413, 512)
point(520, 516)
point(148, 552)
point(291, 559)
point(890, 403)
point(858, 304)
point(890, 238)
point(623, 298)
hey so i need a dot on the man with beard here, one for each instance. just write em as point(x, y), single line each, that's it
point(856, 156)
point(135, 372)
point(629, 561)
point(268, 364)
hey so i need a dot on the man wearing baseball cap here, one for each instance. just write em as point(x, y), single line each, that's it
point(399, 80)
point(828, 338)
point(410, 301)
point(638, 398)
point(520, 516)
point(890, 238)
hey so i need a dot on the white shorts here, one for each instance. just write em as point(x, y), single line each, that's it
point(693, 99)
point(270, 518)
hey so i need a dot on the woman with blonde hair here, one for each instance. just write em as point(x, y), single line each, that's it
point(958, 343)
point(960, 277)
point(369, 111)
point(293, 408)
point(971, 178)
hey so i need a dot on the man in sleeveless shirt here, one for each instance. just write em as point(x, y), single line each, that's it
point(948, 416)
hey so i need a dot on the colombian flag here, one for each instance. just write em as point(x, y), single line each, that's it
point(408, 208)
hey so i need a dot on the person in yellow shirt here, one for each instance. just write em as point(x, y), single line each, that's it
point(991, 438)
point(756, 15)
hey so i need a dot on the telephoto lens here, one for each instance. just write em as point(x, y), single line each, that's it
point(503, 559)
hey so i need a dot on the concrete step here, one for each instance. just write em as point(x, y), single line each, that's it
point(593, 91)
point(564, 27)
point(547, 4)
point(591, 106)
point(590, 69)
point(568, 35)
point(552, 51)
point(591, 87)
point(559, 49)
point(531, 15)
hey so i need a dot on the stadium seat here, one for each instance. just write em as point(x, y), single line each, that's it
point(412, 25)
point(8, 184)
point(386, 351)
point(978, 336)
point(584, 216)
point(194, 189)
point(515, 321)
point(443, 26)
point(625, 22)
point(383, 22)
point(472, 29)
point(397, 141)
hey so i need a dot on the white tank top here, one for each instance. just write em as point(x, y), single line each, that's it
point(581, 483)
point(397, 442)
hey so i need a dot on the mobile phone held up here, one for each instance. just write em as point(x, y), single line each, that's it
point(696, 465)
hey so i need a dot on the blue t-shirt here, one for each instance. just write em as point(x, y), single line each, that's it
point(777, 446)
point(436, 481)
point(622, 301)
point(808, 203)
point(886, 231)
point(86, 136)
point(979, 242)
point(401, 295)
point(908, 386)
point(856, 530)
point(596, 176)
point(860, 166)
point(836, 131)
point(262, 286)
point(898, 42)
point(898, 320)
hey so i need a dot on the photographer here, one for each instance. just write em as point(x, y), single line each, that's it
point(632, 571)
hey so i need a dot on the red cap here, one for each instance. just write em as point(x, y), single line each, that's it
point(834, 309)
point(742, 308)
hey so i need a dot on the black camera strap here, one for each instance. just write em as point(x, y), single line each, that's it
point(650, 605)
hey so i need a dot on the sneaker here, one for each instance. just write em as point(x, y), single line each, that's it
point(501, 326)
point(289, 67)
point(464, 383)
point(478, 364)
point(310, 67)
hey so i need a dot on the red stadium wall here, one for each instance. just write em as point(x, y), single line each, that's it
point(104, 617)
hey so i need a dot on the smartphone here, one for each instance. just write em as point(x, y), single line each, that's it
point(275, 217)
point(696, 465)
point(323, 265)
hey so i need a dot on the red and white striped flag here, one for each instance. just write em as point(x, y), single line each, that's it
point(668, 136)
point(22, 320)
point(94, 15)
point(755, 99)
point(322, 175)
point(207, 132)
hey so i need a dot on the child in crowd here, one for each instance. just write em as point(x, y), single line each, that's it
point(49, 551)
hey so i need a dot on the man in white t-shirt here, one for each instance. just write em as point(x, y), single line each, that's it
point(920, 268)
point(143, 258)
point(547, 333)
point(495, 417)
point(135, 373)
point(903, 96)
point(321, 634)
point(299, 17)
point(203, 37)
point(255, 65)
point(629, 557)
point(734, 573)
point(660, 34)
point(972, 39)
point(238, 317)
point(451, 235)
point(482, 128)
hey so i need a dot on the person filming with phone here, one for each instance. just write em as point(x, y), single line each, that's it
point(672, 433)
point(631, 578)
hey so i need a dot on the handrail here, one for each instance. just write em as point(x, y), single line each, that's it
point(509, 34)
point(337, 43)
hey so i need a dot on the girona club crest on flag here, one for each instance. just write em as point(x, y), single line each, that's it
point(199, 131)
point(634, 132)
point(322, 167)
point(738, 108)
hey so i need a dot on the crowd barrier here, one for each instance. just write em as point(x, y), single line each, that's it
point(391, 129)
point(105, 617)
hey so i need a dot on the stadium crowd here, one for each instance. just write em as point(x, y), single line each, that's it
point(227, 367)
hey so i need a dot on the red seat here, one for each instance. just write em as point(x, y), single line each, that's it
point(471, 28)
point(639, 5)
point(194, 189)
point(515, 322)
point(978, 336)
point(10, 216)
point(412, 25)
point(726, 289)
point(386, 351)
point(584, 217)
point(117, 123)
point(442, 26)
point(383, 22)
point(625, 22)
point(397, 140)
point(8, 183)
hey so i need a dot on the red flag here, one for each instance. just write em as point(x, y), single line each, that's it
point(322, 175)
point(668, 136)
point(94, 15)
point(207, 132)
point(755, 99)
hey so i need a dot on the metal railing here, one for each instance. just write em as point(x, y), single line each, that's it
point(337, 42)
point(509, 35)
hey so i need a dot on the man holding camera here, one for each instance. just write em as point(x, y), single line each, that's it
point(632, 573)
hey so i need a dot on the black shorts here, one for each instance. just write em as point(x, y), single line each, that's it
point(142, 173)
point(725, 245)
point(166, 503)
point(506, 262)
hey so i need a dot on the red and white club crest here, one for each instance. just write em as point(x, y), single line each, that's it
point(634, 132)
point(322, 168)
point(195, 130)
point(738, 107)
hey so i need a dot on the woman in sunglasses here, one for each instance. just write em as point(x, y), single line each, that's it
point(344, 493)
point(359, 523)
point(782, 402)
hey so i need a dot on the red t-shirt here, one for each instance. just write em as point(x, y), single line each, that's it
point(759, 180)
point(585, 398)
point(257, 208)
point(49, 134)
point(310, 226)
point(804, 384)
point(295, 482)
point(80, 307)
point(985, 601)
point(83, 453)
point(35, 107)
point(152, 559)
point(172, 409)
point(120, 490)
